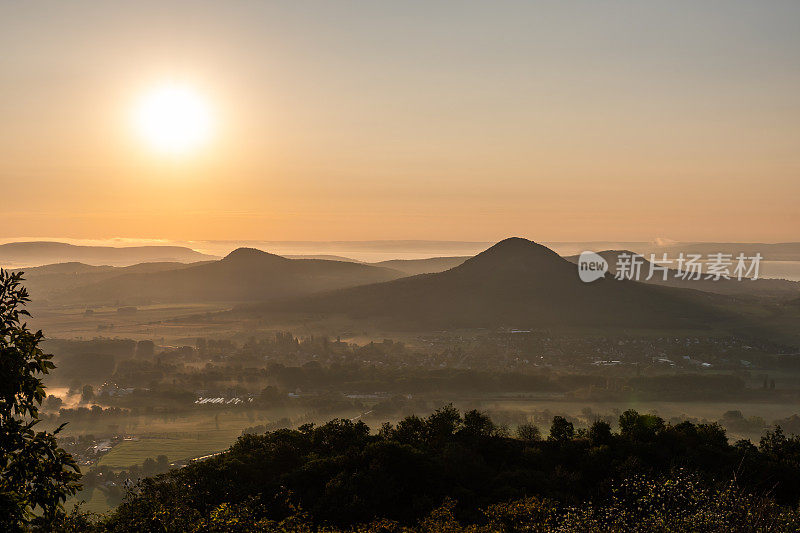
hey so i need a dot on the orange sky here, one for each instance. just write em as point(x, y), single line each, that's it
point(416, 120)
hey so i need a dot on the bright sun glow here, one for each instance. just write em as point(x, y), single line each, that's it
point(174, 119)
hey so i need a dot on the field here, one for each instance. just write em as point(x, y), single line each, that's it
point(176, 447)
point(149, 322)
point(186, 437)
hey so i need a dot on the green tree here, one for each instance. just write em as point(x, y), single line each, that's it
point(87, 394)
point(600, 433)
point(477, 424)
point(529, 433)
point(149, 467)
point(53, 403)
point(443, 423)
point(639, 427)
point(36, 476)
point(561, 429)
point(162, 463)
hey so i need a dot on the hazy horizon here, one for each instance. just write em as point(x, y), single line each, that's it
point(779, 265)
point(413, 266)
point(408, 121)
point(368, 250)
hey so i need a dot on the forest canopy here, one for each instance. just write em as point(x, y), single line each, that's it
point(451, 472)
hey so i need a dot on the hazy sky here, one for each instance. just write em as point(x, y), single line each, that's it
point(553, 120)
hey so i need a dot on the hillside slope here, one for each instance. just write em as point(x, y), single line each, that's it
point(50, 282)
point(517, 283)
point(412, 267)
point(245, 274)
point(26, 254)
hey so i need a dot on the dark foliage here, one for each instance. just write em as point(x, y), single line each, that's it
point(341, 474)
point(36, 476)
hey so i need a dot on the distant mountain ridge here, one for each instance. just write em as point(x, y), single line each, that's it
point(50, 282)
point(412, 267)
point(26, 254)
point(246, 274)
point(515, 283)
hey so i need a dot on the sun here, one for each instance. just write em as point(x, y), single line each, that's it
point(173, 119)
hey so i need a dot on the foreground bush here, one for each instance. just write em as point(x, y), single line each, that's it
point(676, 503)
point(36, 475)
point(449, 472)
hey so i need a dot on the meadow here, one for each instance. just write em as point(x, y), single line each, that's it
point(176, 446)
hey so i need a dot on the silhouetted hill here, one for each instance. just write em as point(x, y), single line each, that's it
point(50, 281)
point(759, 287)
point(24, 254)
point(246, 274)
point(517, 283)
